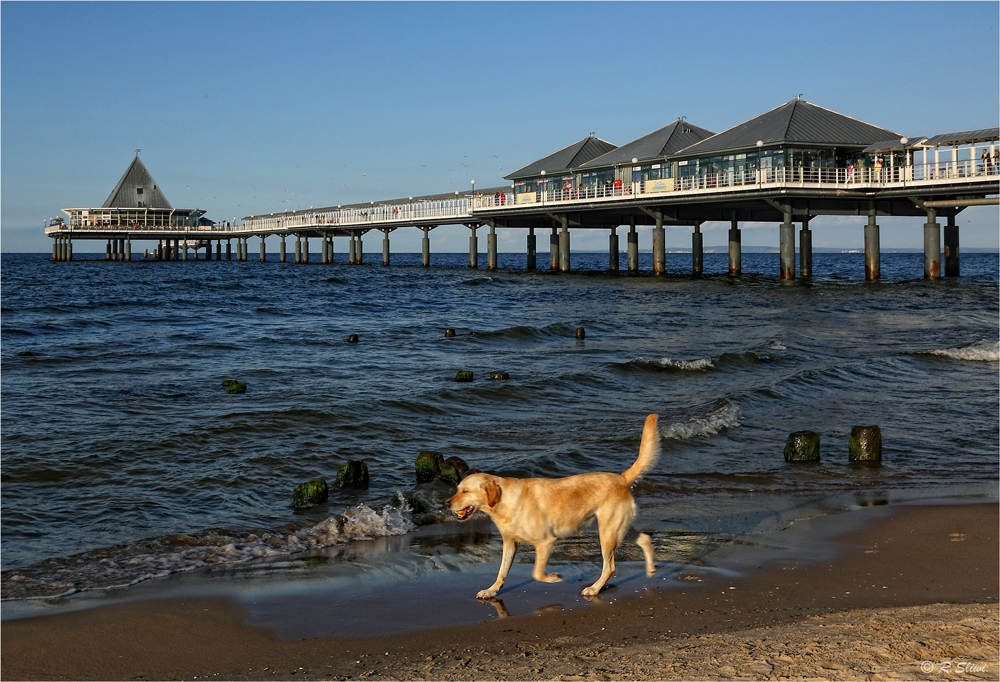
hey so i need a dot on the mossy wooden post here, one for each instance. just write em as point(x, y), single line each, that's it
point(499, 375)
point(449, 333)
point(353, 338)
point(354, 474)
point(310, 493)
point(233, 386)
point(428, 465)
point(581, 333)
point(865, 444)
point(463, 375)
point(802, 446)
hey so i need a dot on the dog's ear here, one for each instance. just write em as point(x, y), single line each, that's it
point(492, 491)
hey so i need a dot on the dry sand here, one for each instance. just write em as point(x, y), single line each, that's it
point(911, 596)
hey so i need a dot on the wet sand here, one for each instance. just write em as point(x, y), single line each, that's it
point(910, 595)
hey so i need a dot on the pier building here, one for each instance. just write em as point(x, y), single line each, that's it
point(785, 166)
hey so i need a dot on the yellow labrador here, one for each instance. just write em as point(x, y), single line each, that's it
point(539, 511)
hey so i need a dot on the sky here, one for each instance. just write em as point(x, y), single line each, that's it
point(244, 108)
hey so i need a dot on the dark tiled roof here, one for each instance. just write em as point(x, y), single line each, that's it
point(126, 194)
point(657, 144)
point(967, 137)
point(795, 122)
point(569, 157)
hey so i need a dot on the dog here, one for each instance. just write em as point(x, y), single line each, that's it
point(539, 511)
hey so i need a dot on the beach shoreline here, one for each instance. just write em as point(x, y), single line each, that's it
point(912, 586)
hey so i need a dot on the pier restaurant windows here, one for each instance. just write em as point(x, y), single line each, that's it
point(594, 183)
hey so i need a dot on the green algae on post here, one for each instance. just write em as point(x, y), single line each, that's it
point(802, 446)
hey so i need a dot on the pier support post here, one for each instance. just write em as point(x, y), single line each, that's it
point(564, 245)
point(735, 246)
point(175, 250)
point(554, 249)
point(951, 258)
point(351, 251)
point(491, 248)
point(873, 254)
point(69, 248)
point(473, 247)
point(55, 249)
point(932, 246)
point(128, 249)
point(298, 249)
point(229, 249)
point(425, 248)
point(359, 252)
point(633, 247)
point(697, 251)
point(385, 247)
point(659, 247)
point(531, 259)
point(218, 250)
point(114, 249)
point(108, 253)
point(787, 247)
point(805, 249)
point(185, 249)
point(263, 250)
point(305, 250)
point(613, 250)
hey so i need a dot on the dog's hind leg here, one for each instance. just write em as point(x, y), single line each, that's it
point(609, 542)
point(509, 550)
point(542, 554)
point(646, 545)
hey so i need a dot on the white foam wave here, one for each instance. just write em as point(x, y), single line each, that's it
point(130, 564)
point(726, 417)
point(980, 351)
point(702, 363)
point(776, 345)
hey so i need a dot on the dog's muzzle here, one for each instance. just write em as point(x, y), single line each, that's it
point(463, 514)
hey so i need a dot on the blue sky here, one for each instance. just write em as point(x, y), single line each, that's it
point(244, 108)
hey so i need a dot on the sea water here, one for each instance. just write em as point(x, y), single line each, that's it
point(123, 458)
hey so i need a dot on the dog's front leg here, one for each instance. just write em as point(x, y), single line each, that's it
point(542, 553)
point(509, 549)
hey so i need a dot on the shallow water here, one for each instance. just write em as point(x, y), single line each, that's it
point(124, 459)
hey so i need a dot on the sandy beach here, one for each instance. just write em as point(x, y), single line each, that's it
point(911, 594)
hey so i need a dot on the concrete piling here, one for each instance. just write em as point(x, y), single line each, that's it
point(633, 248)
point(865, 444)
point(473, 248)
point(613, 250)
point(805, 249)
point(107, 254)
point(491, 248)
point(932, 246)
point(735, 247)
point(659, 247)
point(385, 247)
point(697, 251)
point(305, 249)
point(554, 249)
point(873, 255)
point(787, 248)
point(128, 249)
point(263, 250)
point(425, 248)
point(532, 254)
point(802, 446)
point(352, 256)
point(951, 257)
point(564, 246)
point(298, 249)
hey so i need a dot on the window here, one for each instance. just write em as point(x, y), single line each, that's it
point(138, 190)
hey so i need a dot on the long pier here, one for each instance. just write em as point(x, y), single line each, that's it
point(782, 195)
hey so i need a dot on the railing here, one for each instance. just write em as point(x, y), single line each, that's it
point(381, 214)
point(83, 224)
point(827, 178)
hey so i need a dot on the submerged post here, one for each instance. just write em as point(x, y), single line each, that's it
point(805, 249)
point(787, 247)
point(531, 258)
point(951, 258)
point(697, 251)
point(932, 246)
point(633, 247)
point(735, 246)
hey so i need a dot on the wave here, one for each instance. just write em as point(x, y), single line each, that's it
point(726, 417)
point(979, 351)
point(129, 564)
point(671, 364)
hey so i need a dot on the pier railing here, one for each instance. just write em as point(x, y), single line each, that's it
point(884, 177)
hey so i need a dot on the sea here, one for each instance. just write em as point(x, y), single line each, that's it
point(125, 461)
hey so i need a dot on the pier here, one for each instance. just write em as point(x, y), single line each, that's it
point(787, 166)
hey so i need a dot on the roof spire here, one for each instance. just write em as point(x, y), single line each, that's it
point(137, 152)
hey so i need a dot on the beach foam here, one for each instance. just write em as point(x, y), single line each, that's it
point(726, 417)
point(980, 351)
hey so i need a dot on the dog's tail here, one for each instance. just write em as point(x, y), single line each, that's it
point(649, 451)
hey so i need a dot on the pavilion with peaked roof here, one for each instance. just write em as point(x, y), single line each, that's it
point(556, 171)
point(136, 202)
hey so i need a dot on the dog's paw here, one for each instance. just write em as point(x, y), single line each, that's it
point(551, 578)
point(486, 594)
point(591, 591)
